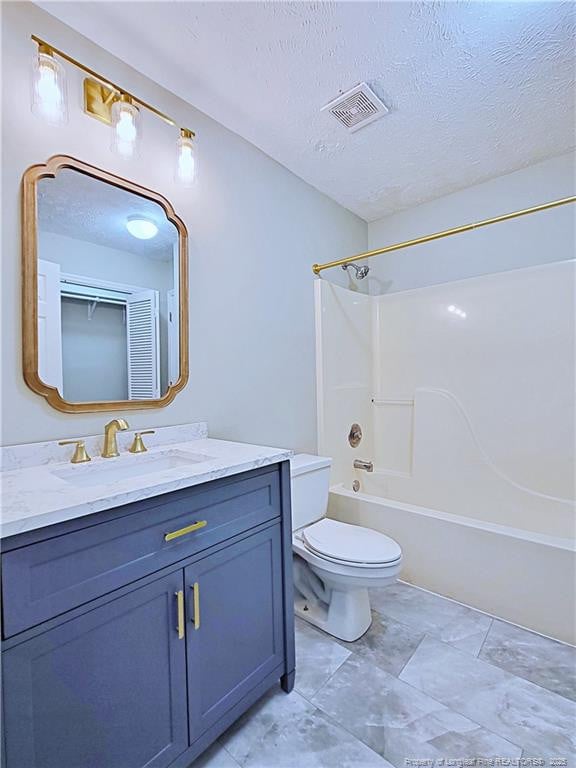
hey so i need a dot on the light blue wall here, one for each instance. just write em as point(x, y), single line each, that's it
point(537, 239)
point(254, 228)
point(94, 360)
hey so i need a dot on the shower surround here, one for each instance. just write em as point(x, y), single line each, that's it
point(465, 394)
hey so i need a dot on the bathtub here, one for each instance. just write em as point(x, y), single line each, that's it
point(521, 575)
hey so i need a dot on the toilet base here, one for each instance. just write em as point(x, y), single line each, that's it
point(347, 616)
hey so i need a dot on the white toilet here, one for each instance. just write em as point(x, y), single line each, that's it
point(334, 563)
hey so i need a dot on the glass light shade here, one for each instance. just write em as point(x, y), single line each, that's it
point(187, 159)
point(141, 228)
point(126, 127)
point(49, 97)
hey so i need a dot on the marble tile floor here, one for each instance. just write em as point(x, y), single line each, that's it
point(430, 681)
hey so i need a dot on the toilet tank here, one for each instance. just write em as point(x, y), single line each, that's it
point(310, 481)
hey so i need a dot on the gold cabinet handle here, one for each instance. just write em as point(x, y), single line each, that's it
point(184, 531)
point(181, 620)
point(196, 614)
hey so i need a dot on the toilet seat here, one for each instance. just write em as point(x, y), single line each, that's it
point(351, 545)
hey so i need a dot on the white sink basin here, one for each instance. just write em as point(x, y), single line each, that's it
point(114, 470)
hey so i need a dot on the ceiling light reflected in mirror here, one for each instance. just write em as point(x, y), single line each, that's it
point(143, 229)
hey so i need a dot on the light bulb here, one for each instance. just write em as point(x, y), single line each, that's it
point(126, 130)
point(186, 168)
point(49, 88)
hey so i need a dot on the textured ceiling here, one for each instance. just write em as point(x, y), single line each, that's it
point(86, 208)
point(476, 89)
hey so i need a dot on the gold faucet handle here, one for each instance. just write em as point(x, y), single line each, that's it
point(80, 454)
point(138, 444)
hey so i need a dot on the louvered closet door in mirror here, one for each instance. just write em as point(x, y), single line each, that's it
point(106, 290)
point(142, 336)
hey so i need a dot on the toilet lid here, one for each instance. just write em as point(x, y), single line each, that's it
point(350, 543)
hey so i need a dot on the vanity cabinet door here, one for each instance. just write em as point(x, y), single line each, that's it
point(234, 625)
point(104, 690)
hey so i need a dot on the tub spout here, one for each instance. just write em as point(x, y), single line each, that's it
point(367, 466)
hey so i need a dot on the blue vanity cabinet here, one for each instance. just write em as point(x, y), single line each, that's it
point(135, 636)
point(104, 690)
point(234, 632)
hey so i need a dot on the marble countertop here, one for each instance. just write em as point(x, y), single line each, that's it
point(36, 496)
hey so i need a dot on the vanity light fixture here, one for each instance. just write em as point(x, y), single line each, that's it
point(187, 169)
point(142, 228)
point(106, 101)
point(49, 99)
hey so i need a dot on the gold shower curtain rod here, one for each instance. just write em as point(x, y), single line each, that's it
point(317, 268)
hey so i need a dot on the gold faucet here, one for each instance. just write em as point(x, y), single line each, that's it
point(110, 445)
point(80, 454)
point(138, 444)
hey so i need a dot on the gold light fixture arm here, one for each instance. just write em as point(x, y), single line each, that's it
point(317, 268)
point(117, 89)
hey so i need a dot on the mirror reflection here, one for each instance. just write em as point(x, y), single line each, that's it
point(108, 293)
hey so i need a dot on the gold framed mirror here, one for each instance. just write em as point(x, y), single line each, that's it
point(104, 290)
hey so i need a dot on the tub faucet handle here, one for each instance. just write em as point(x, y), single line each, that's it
point(367, 466)
point(355, 435)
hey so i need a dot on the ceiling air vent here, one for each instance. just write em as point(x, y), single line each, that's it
point(357, 107)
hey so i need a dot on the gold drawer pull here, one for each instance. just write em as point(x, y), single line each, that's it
point(184, 531)
point(196, 618)
point(181, 619)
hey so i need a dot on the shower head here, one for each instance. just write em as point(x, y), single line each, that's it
point(361, 272)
